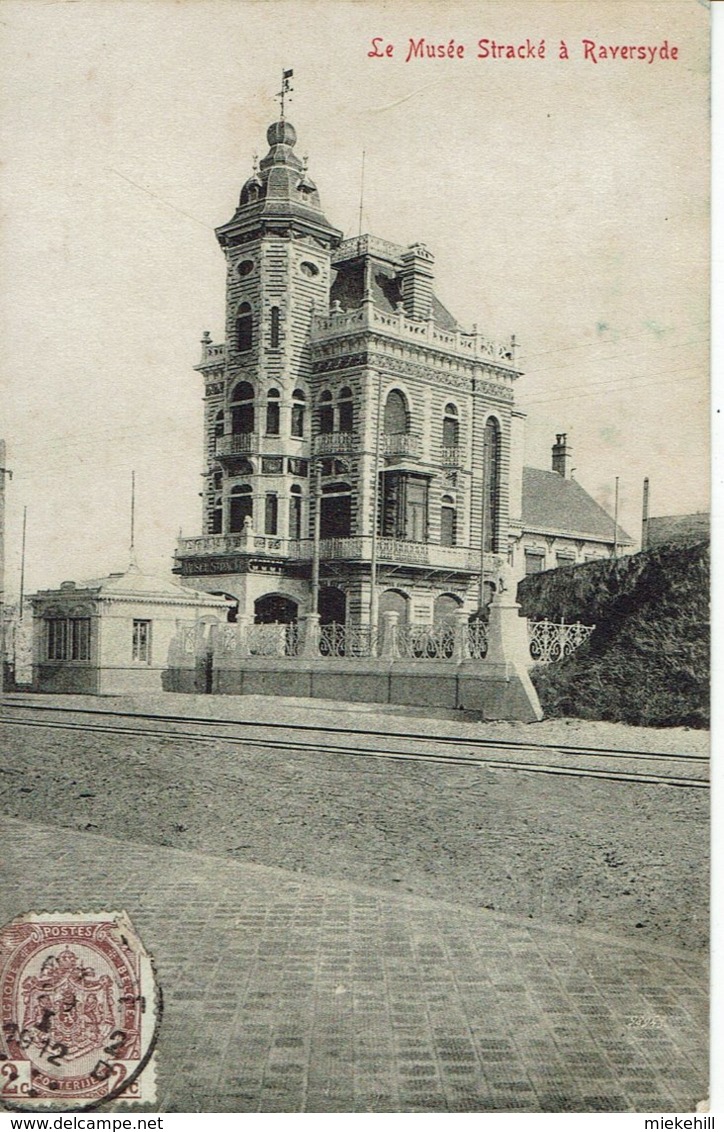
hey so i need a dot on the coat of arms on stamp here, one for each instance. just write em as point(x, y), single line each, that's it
point(79, 1011)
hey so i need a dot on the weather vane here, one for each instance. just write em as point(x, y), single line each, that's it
point(287, 89)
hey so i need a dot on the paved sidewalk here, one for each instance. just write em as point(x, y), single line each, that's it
point(286, 993)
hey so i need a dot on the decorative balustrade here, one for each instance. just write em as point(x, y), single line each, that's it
point(246, 542)
point(551, 640)
point(454, 639)
point(452, 457)
point(402, 444)
point(330, 443)
point(234, 444)
point(473, 345)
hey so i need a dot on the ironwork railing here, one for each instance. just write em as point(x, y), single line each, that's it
point(426, 642)
point(276, 639)
point(337, 640)
point(552, 640)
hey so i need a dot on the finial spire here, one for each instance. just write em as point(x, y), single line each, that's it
point(285, 91)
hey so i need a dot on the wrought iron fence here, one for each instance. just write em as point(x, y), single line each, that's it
point(477, 639)
point(337, 640)
point(426, 642)
point(276, 639)
point(552, 640)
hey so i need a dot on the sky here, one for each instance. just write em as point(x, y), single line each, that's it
point(565, 200)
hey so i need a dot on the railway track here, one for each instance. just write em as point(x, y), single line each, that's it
point(537, 758)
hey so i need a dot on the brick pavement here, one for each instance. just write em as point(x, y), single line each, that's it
point(289, 993)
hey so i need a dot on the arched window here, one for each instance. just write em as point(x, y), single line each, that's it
point(396, 419)
point(242, 408)
point(217, 516)
point(326, 412)
point(219, 423)
point(450, 427)
point(491, 494)
point(448, 521)
point(244, 328)
point(299, 402)
point(241, 505)
point(272, 412)
point(345, 404)
point(336, 511)
point(274, 329)
point(271, 513)
point(295, 512)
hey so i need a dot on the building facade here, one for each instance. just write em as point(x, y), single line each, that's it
point(363, 450)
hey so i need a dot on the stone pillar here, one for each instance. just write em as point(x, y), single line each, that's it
point(309, 634)
point(388, 629)
point(507, 632)
point(243, 621)
point(461, 647)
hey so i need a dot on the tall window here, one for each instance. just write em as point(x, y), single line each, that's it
point(274, 331)
point(396, 418)
point(271, 513)
point(244, 328)
point(346, 410)
point(242, 408)
point(450, 427)
point(491, 484)
point(534, 561)
point(336, 511)
point(447, 521)
point(219, 423)
point(241, 505)
point(295, 512)
point(217, 516)
point(272, 413)
point(326, 412)
point(68, 638)
point(404, 506)
point(141, 641)
point(298, 408)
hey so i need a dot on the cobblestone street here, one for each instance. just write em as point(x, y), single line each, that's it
point(290, 993)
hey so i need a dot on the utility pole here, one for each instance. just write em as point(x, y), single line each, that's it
point(615, 523)
point(22, 562)
point(4, 471)
point(645, 516)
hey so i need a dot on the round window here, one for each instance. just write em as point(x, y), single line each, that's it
point(245, 267)
point(309, 269)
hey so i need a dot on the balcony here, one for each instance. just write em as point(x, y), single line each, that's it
point(242, 543)
point(238, 444)
point(402, 444)
point(332, 443)
point(473, 345)
point(452, 457)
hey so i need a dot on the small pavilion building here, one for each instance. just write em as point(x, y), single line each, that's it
point(116, 635)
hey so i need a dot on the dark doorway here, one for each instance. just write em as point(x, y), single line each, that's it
point(275, 609)
point(332, 606)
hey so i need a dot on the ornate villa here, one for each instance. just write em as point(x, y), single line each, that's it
point(363, 450)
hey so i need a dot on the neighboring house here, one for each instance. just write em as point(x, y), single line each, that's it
point(560, 524)
point(675, 528)
point(113, 635)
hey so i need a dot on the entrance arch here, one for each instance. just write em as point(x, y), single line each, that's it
point(446, 606)
point(275, 609)
point(395, 601)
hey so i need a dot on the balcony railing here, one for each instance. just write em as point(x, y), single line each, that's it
point(452, 457)
point(330, 443)
point(234, 445)
point(473, 345)
point(402, 444)
point(242, 543)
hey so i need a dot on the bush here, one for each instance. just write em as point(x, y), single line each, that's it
point(648, 661)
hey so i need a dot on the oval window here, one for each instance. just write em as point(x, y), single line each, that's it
point(309, 269)
point(245, 267)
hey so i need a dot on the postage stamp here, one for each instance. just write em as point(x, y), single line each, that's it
point(80, 1010)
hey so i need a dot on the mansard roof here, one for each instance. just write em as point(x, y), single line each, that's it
point(553, 504)
point(348, 288)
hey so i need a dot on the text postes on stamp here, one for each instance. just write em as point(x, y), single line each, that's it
point(79, 1011)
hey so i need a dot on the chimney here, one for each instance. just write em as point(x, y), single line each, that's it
point(416, 276)
point(561, 454)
